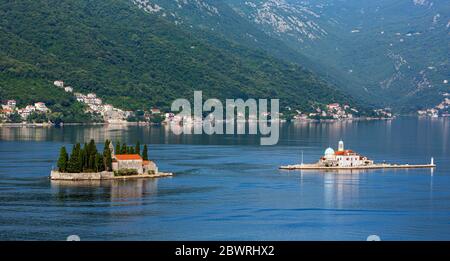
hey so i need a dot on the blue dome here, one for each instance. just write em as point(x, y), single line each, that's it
point(329, 151)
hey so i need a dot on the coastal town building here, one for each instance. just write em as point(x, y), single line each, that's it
point(155, 111)
point(333, 111)
point(6, 112)
point(109, 113)
point(384, 113)
point(59, 84)
point(95, 105)
point(333, 106)
point(41, 107)
point(440, 110)
point(11, 104)
point(9, 107)
point(27, 111)
point(169, 116)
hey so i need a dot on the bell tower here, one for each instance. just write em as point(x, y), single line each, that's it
point(111, 148)
point(341, 146)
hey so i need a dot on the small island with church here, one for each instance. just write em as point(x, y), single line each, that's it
point(343, 159)
point(119, 162)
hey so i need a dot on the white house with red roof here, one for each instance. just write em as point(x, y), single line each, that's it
point(40, 106)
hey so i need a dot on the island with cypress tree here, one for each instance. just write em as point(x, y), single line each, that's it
point(114, 162)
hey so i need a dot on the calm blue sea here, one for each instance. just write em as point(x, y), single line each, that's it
point(230, 188)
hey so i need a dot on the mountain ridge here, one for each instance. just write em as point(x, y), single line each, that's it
point(135, 60)
point(343, 40)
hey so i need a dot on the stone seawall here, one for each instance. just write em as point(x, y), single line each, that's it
point(56, 175)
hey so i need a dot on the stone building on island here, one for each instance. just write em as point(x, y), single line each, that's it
point(133, 162)
point(129, 164)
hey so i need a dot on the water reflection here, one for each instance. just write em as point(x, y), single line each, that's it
point(339, 186)
point(205, 200)
point(125, 192)
point(429, 134)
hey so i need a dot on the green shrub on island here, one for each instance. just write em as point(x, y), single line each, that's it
point(125, 172)
point(85, 159)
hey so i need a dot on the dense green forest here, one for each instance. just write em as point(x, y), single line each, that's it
point(135, 60)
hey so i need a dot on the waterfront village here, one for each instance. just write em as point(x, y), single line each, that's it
point(94, 105)
point(336, 111)
point(440, 110)
point(120, 161)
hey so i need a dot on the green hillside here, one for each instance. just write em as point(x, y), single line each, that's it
point(135, 60)
point(390, 52)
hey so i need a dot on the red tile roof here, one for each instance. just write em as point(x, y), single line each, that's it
point(345, 152)
point(128, 157)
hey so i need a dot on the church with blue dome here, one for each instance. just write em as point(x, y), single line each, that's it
point(343, 158)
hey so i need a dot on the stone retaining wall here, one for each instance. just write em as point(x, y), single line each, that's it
point(56, 175)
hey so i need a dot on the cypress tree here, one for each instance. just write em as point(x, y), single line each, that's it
point(102, 163)
point(63, 160)
point(74, 166)
point(107, 158)
point(107, 143)
point(118, 149)
point(124, 149)
point(99, 166)
point(92, 162)
point(137, 149)
point(84, 156)
point(92, 152)
point(145, 153)
point(92, 146)
point(87, 151)
point(70, 164)
point(80, 159)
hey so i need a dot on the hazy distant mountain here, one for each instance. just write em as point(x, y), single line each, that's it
point(394, 52)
